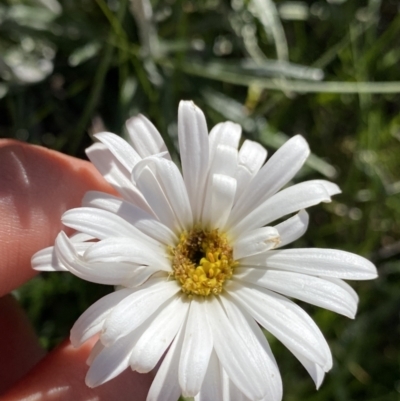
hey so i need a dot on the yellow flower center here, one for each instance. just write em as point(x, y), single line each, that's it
point(202, 261)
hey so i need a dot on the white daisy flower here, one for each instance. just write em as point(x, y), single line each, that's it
point(197, 262)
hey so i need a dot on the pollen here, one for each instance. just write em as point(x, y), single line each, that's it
point(202, 261)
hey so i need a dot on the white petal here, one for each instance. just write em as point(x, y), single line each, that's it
point(314, 290)
point(101, 273)
point(121, 149)
point(250, 159)
point(236, 395)
point(211, 388)
point(224, 161)
point(97, 348)
point(316, 261)
point(314, 370)
point(196, 349)
point(277, 172)
point(139, 218)
point(111, 361)
point(226, 133)
point(250, 332)
point(222, 196)
point(226, 385)
point(256, 241)
point(173, 187)
point(135, 309)
point(281, 317)
point(350, 291)
point(145, 137)
point(324, 347)
point(289, 200)
point(140, 275)
point(165, 386)
point(46, 260)
point(126, 250)
point(159, 335)
point(103, 224)
point(116, 174)
point(293, 228)
point(91, 321)
point(223, 164)
point(331, 187)
point(81, 237)
point(152, 190)
point(193, 145)
point(245, 372)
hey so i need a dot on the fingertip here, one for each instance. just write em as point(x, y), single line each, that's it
point(36, 186)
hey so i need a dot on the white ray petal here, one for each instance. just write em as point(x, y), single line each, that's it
point(224, 161)
point(145, 137)
point(289, 200)
point(244, 371)
point(170, 179)
point(194, 151)
point(112, 273)
point(346, 287)
point(126, 250)
point(92, 320)
point(274, 312)
point(111, 361)
point(81, 237)
point(104, 224)
point(256, 241)
point(152, 190)
point(153, 343)
point(314, 290)
point(142, 220)
point(324, 347)
point(226, 388)
point(226, 133)
point(293, 228)
point(277, 172)
point(314, 370)
point(236, 395)
point(46, 260)
point(116, 174)
point(223, 164)
point(222, 196)
point(165, 386)
point(250, 332)
point(211, 388)
point(196, 349)
point(135, 309)
point(331, 187)
point(250, 159)
point(120, 149)
point(141, 274)
point(317, 262)
point(97, 348)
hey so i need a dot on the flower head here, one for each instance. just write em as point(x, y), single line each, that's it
point(197, 262)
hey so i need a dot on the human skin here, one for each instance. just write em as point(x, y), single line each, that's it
point(36, 186)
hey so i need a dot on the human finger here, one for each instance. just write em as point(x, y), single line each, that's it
point(19, 348)
point(60, 376)
point(36, 186)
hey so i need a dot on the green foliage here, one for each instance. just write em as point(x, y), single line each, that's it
point(71, 68)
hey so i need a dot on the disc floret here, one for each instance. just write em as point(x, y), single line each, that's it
point(202, 261)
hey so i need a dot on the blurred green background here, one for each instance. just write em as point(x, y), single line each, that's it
point(328, 70)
